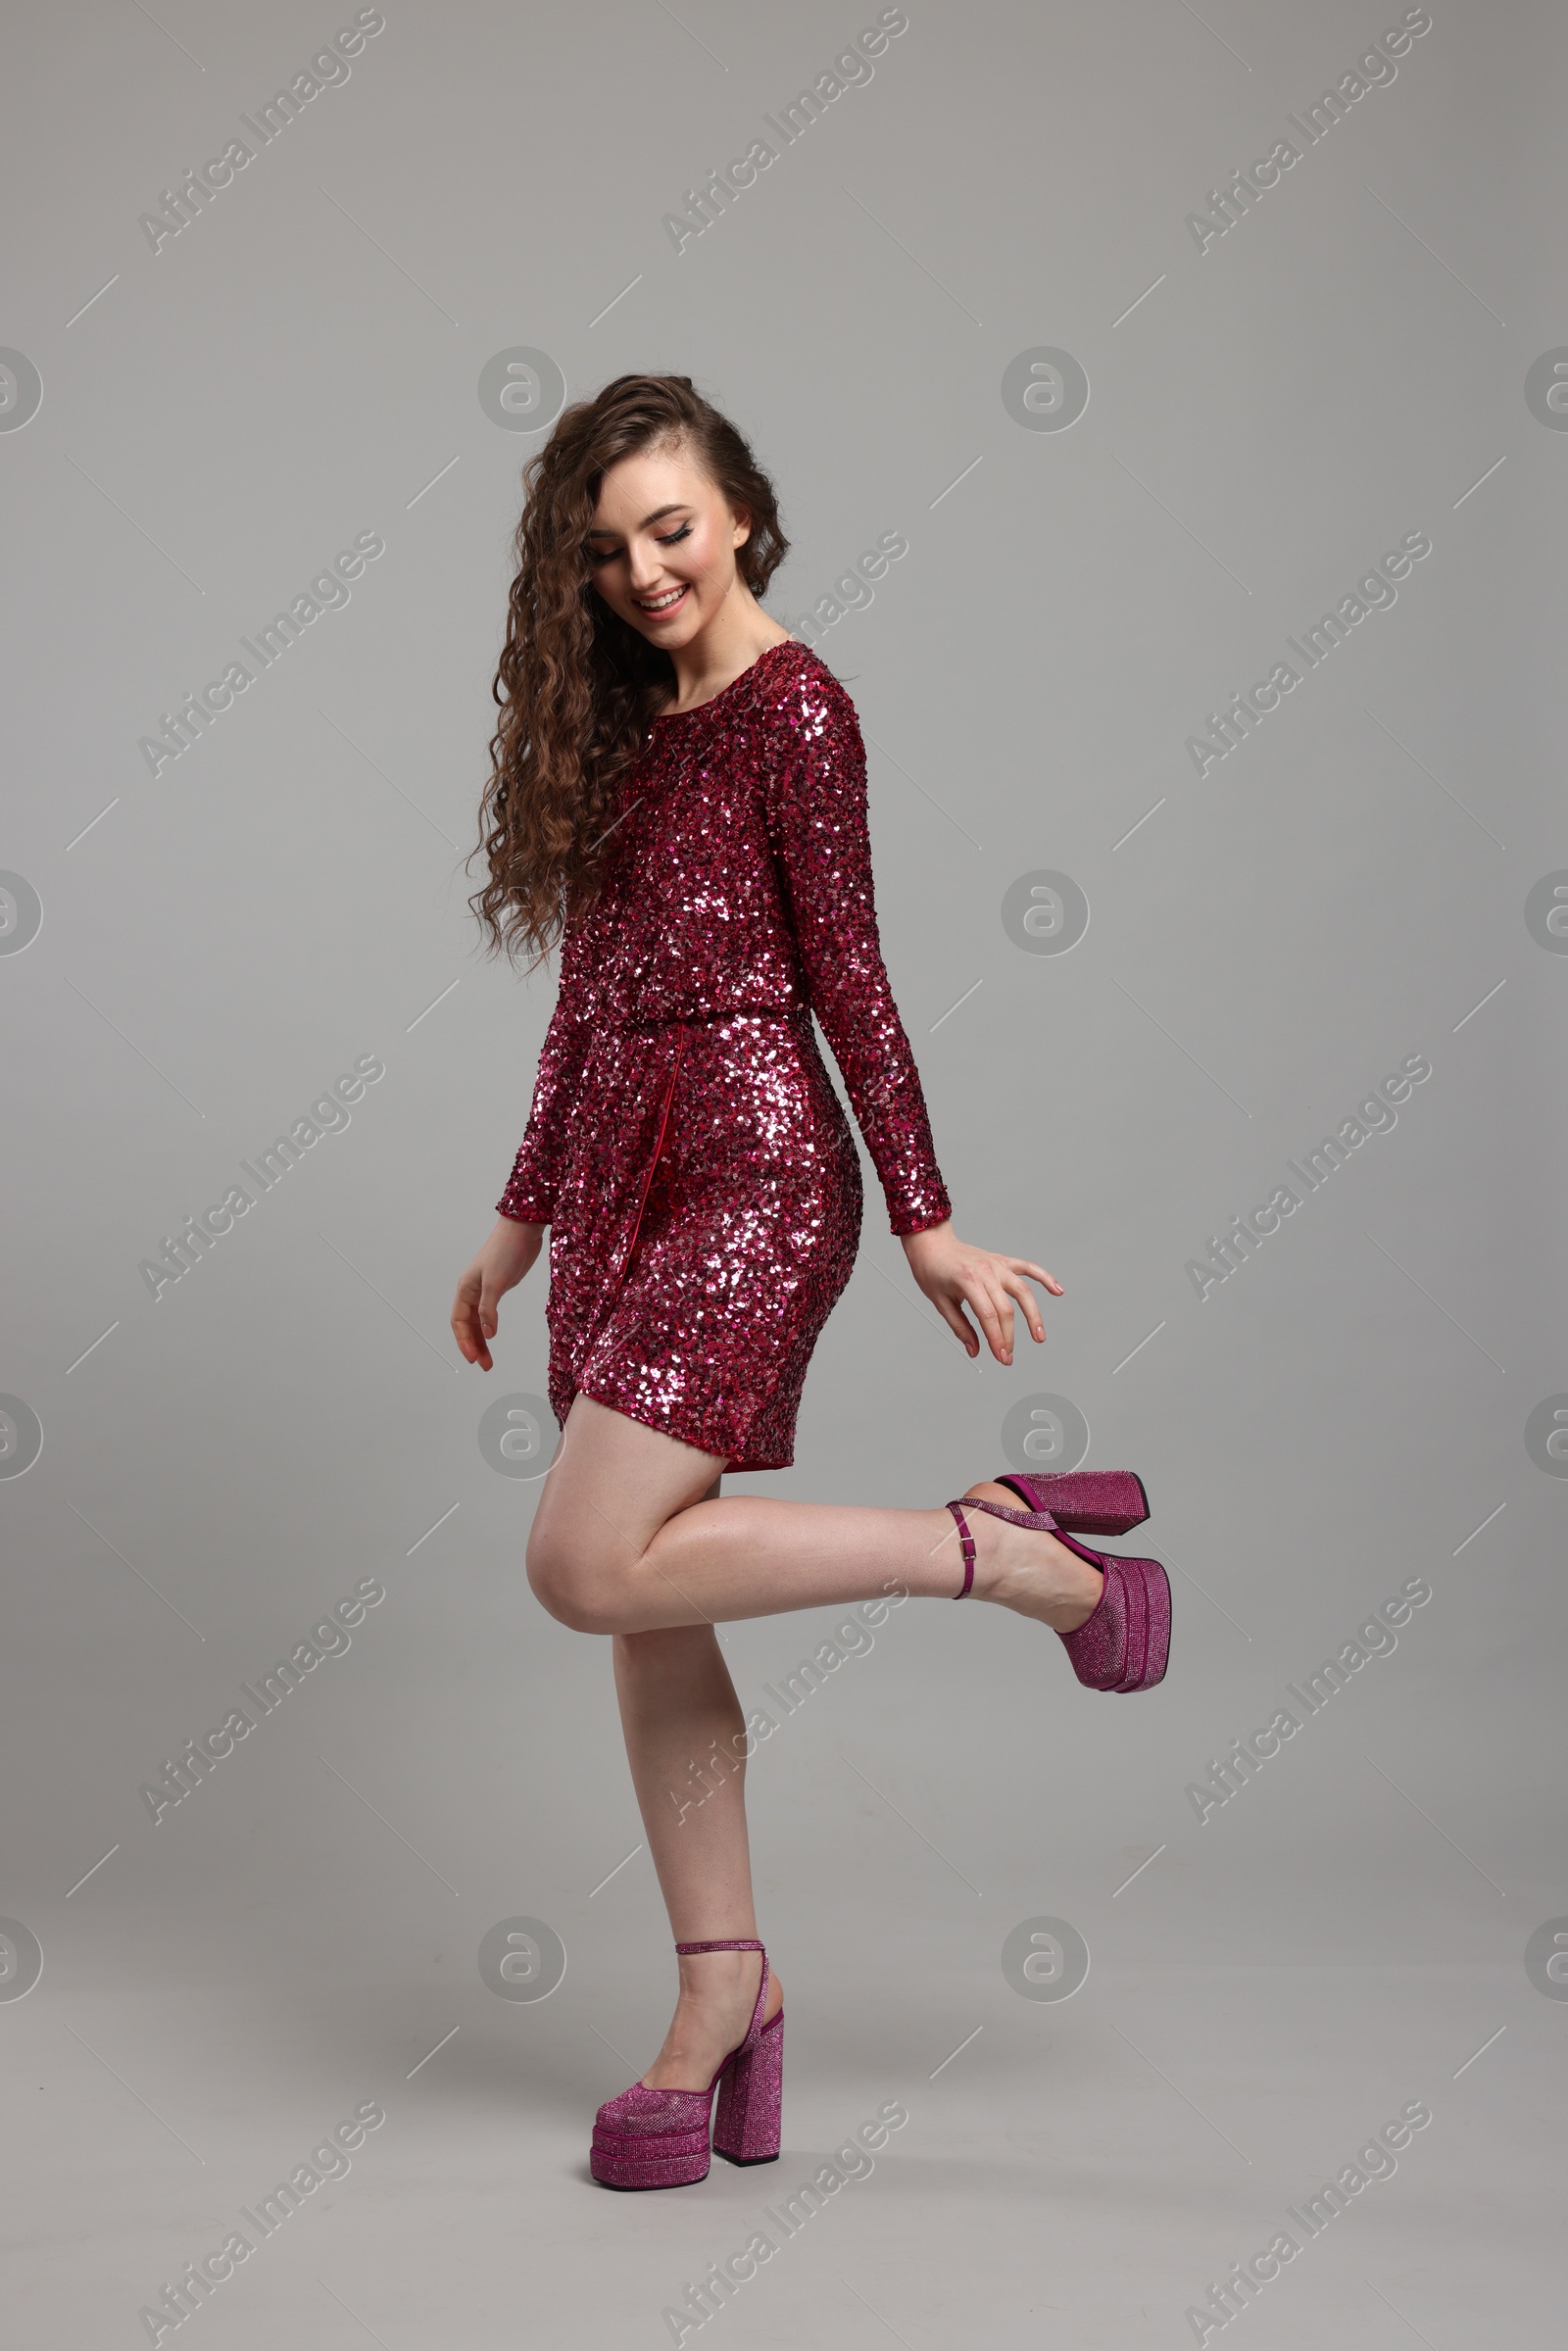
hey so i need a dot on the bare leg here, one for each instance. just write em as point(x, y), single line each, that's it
point(633, 1537)
point(678, 1709)
point(623, 1542)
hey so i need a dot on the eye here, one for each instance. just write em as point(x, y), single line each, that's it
point(675, 536)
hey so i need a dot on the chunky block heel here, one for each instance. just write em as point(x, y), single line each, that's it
point(1125, 1644)
point(746, 2128)
point(661, 2137)
point(1086, 1502)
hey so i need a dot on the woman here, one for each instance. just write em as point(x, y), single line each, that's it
point(679, 797)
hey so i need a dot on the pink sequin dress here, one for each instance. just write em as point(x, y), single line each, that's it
point(685, 1144)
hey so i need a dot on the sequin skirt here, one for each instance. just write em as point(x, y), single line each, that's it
point(706, 1224)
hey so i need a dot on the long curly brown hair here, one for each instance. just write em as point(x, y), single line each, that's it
point(576, 684)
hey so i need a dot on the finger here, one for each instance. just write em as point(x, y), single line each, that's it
point(955, 1320)
point(1024, 1265)
point(467, 1321)
point(979, 1302)
point(1038, 1273)
point(470, 1346)
point(1025, 1295)
point(1002, 1304)
point(1029, 1302)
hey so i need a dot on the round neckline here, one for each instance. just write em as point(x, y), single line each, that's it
point(667, 717)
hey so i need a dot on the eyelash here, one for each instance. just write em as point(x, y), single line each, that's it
point(673, 539)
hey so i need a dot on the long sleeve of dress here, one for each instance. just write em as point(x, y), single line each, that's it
point(531, 1190)
point(818, 821)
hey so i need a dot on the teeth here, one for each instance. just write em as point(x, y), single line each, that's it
point(658, 603)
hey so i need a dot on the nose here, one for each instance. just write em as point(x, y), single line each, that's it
point(643, 569)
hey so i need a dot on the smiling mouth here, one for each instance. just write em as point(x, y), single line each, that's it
point(659, 606)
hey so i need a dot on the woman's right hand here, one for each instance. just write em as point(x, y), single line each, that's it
point(499, 1267)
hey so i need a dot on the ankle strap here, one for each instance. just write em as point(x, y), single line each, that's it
point(741, 1944)
point(966, 1545)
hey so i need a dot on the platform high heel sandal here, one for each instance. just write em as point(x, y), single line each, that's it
point(659, 2137)
point(1125, 1645)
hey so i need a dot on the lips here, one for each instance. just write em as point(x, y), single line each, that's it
point(657, 606)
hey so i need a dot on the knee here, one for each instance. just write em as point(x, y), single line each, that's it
point(563, 1583)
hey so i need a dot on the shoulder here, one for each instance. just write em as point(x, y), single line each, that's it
point(798, 694)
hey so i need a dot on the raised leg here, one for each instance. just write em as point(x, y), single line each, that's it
point(626, 1540)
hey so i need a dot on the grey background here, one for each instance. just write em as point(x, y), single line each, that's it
point(300, 364)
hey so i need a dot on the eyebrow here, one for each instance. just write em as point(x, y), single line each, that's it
point(675, 507)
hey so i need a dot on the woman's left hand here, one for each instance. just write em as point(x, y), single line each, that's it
point(953, 1275)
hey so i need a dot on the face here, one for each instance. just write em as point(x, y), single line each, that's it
point(662, 550)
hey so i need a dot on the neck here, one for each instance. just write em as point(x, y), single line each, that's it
point(714, 657)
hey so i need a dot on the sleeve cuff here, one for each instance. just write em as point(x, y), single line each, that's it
point(523, 1212)
point(921, 1220)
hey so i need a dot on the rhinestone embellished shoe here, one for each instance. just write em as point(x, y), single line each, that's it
point(1086, 1502)
point(1125, 1644)
point(659, 2137)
